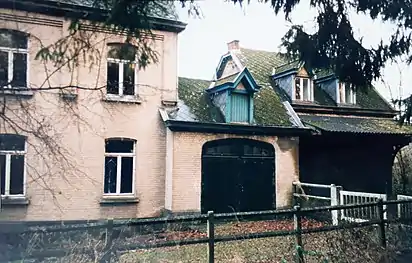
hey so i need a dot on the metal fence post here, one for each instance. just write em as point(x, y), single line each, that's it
point(211, 237)
point(298, 235)
point(107, 252)
point(381, 212)
point(295, 191)
point(335, 200)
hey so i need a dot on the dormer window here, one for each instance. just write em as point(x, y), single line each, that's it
point(303, 89)
point(233, 95)
point(346, 94)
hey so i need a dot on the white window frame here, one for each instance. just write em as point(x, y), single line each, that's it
point(119, 170)
point(10, 68)
point(310, 86)
point(7, 171)
point(121, 63)
point(352, 94)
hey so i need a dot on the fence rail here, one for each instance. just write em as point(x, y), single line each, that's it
point(110, 225)
point(334, 191)
point(404, 209)
point(337, 196)
point(360, 214)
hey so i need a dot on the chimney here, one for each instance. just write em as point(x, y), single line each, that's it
point(233, 45)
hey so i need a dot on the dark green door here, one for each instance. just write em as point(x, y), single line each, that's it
point(238, 175)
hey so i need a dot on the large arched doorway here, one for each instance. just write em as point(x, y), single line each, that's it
point(238, 175)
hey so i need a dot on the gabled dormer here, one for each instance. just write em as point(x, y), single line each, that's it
point(295, 80)
point(233, 95)
point(229, 64)
point(342, 93)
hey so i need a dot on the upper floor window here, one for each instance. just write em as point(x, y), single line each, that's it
point(303, 89)
point(13, 59)
point(119, 167)
point(346, 94)
point(121, 70)
point(240, 103)
point(12, 171)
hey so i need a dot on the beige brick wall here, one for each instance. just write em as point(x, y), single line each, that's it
point(71, 187)
point(187, 153)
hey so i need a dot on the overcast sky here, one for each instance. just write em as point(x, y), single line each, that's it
point(257, 27)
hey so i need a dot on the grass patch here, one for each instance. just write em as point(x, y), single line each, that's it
point(254, 250)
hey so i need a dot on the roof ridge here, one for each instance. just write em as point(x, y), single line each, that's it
point(260, 50)
point(288, 63)
point(228, 76)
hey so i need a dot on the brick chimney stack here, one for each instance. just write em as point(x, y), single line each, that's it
point(233, 45)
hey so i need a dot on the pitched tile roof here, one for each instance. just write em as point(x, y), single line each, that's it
point(293, 65)
point(352, 124)
point(194, 105)
point(227, 79)
point(323, 73)
point(261, 65)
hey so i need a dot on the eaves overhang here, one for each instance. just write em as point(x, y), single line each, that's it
point(58, 9)
point(185, 126)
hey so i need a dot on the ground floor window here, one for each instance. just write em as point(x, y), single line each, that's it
point(12, 161)
point(119, 166)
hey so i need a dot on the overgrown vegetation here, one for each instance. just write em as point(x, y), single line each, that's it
point(402, 172)
point(345, 245)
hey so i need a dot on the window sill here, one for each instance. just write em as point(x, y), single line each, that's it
point(14, 200)
point(123, 99)
point(20, 92)
point(109, 200)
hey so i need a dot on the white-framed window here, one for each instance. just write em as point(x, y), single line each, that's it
point(13, 59)
point(303, 88)
point(119, 171)
point(12, 165)
point(346, 94)
point(121, 70)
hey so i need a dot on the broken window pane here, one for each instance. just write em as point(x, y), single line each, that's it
point(4, 68)
point(110, 175)
point(119, 146)
point(127, 175)
point(128, 78)
point(3, 173)
point(16, 174)
point(19, 70)
point(112, 78)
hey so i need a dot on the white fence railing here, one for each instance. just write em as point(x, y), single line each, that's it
point(333, 197)
point(360, 214)
point(404, 210)
point(338, 196)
